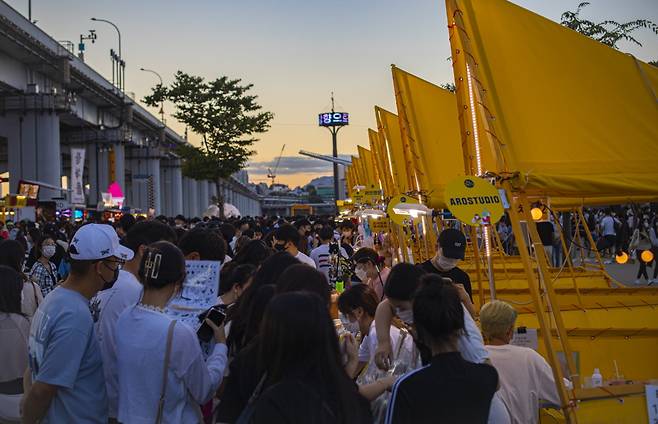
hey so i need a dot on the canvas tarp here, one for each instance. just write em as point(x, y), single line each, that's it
point(429, 122)
point(573, 117)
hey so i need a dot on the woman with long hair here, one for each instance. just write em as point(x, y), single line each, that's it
point(304, 380)
point(268, 273)
point(162, 374)
point(14, 331)
point(12, 254)
point(44, 271)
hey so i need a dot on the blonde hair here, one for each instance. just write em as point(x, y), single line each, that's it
point(496, 318)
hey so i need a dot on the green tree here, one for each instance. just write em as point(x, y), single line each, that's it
point(313, 196)
point(224, 114)
point(449, 86)
point(608, 32)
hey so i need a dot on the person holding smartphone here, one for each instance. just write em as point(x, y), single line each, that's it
point(163, 376)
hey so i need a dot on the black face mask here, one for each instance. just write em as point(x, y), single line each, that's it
point(280, 247)
point(308, 233)
point(115, 277)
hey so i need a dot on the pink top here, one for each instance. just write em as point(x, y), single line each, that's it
point(378, 285)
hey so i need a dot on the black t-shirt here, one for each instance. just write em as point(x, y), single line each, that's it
point(456, 275)
point(450, 390)
point(303, 401)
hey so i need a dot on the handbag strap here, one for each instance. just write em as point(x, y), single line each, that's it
point(165, 369)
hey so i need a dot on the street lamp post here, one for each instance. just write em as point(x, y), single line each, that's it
point(162, 115)
point(121, 64)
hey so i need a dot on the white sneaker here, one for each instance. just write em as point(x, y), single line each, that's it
point(638, 281)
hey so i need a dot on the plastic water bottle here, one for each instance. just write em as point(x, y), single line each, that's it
point(597, 378)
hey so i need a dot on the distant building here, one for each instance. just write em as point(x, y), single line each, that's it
point(242, 176)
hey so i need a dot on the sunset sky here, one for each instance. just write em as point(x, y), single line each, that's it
point(295, 52)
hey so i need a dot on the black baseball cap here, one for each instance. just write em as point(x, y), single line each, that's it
point(453, 243)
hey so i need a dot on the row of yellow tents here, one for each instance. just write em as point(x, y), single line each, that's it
point(544, 113)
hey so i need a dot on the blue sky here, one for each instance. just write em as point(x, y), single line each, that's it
point(295, 52)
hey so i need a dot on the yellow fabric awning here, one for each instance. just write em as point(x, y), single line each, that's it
point(573, 117)
point(429, 123)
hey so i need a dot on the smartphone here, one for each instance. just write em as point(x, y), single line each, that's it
point(215, 315)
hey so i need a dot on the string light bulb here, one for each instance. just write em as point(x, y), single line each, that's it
point(621, 257)
point(536, 214)
point(647, 256)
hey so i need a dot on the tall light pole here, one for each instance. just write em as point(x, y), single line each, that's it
point(162, 114)
point(121, 64)
point(334, 121)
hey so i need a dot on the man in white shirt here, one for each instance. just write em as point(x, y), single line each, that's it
point(608, 233)
point(525, 376)
point(109, 303)
point(286, 238)
point(321, 255)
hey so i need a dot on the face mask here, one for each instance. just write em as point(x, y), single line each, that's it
point(407, 316)
point(280, 247)
point(362, 274)
point(447, 264)
point(110, 283)
point(352, 327)
point(48, 251)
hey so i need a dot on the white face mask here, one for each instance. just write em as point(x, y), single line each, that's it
point(48, 251)
point(407, 315)
point(352, 327)
point(446, 264)
point(362, 274)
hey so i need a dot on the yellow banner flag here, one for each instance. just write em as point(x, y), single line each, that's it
point(428, 120)
point(389, 129)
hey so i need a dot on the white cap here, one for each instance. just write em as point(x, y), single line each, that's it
point(97, 241)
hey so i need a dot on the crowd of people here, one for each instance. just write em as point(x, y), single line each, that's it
point(87, 338)
point(616, 230)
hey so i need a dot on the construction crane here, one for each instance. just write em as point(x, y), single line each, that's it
point(272, 174)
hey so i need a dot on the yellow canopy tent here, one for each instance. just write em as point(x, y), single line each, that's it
point(571, 116)
point(381, 161)
point(389, 129)
point(430, 126)
point(359, 173)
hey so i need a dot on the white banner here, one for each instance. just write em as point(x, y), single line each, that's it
point(77, 169)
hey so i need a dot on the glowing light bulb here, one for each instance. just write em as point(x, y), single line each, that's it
point(622, 257)
point(647, 256)
point(536, 214)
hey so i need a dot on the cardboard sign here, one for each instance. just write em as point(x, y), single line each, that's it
point(380, 225)
point(200, 291)
point(474, 201)
point(526, 337)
